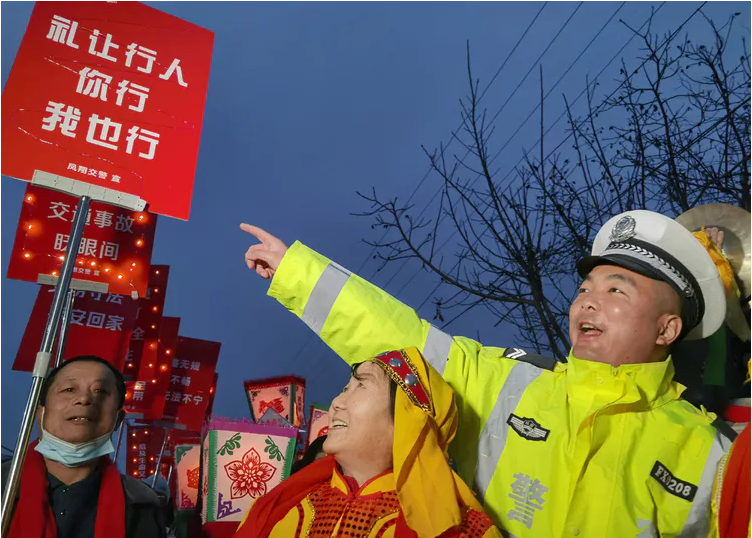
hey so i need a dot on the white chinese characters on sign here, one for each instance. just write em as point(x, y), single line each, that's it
point(141, 458)
point(104, 131)
point(97, 320)
point(91, 172)
point(63, 31)
point(180, 397)
point(142, 92)
point(182, 364)
point(88, 247)
point(93, 83)
point(105, 136)
point(102, 218)
point(149, 55)
point(66, 118)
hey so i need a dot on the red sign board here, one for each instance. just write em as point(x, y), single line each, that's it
point(144, 444)
point(112, 94)
point(147, 395)
point(159, 368)
point(145, 340)
point(212, 394)
point(101, 324)
point(115, 249)
point(191, 382)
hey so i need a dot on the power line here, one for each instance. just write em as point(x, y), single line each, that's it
point(453, 134)
point(547, 131)
point(541, 138)
point(503, 106)
point(550, 44)
point(452, 138)
point(566, 72)
point(682, 150)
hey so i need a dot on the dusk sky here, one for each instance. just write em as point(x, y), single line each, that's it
point(309, 103)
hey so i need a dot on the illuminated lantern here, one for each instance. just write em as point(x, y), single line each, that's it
point(286, 395)
point(318, 422)
point(242, 461)
point(187, 466)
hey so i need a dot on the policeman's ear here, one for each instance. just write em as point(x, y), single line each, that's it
point(669, 329)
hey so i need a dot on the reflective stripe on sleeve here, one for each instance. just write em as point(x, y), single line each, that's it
point(323, 296)
point(697, 520)
point(494, 436)
point(436, 349)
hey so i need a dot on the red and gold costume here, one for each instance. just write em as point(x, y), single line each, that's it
point(421, 497)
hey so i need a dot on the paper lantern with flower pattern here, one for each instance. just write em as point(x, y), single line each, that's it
point(242, 461)
point(286, 395)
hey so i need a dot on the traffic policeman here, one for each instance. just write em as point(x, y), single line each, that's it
point(599, 446)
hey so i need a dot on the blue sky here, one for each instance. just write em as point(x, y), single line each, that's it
point(309, 103)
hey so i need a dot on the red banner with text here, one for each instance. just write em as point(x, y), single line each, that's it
point(145, 339)
point(191, 382)
point(115, 249)
point(100, 324)
point(144, 444)
point(112, 94)
point(145, 398)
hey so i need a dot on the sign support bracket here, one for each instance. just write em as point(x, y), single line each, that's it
point(159, 459)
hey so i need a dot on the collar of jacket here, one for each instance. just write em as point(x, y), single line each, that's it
point(378, 484)
point(645, 385)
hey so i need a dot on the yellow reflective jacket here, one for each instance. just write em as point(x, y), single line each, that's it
point(577, 449)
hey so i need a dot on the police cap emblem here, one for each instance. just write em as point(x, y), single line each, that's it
point(623, 229)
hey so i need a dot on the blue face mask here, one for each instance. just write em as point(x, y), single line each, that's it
point(73, 454)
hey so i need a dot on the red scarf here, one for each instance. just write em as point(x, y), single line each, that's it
point(269, 510)
point(33, 517)
point(734, 512)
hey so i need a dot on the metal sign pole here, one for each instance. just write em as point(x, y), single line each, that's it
point(119, 440)
point(159, 459)
point(43, 361)
point(64, 326)
point(169, 474)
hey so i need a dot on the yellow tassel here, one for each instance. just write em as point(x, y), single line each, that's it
point(721, 263)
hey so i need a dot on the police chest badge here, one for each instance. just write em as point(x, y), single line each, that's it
point(623, 229)
point(528, 428)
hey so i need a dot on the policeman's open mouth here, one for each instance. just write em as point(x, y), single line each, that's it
point(79, 419)
point(588, 329)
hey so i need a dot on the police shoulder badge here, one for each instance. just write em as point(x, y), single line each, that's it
point(623, 229)
point(528, 428)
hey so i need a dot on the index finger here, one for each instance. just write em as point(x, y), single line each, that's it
point(257, 232)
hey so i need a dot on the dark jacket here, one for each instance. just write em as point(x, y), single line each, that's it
point(144, 517)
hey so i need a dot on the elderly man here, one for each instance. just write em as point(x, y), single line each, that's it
point(602, 445)
point(69, 486)
point(387, 473)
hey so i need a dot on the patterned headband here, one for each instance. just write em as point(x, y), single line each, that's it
point(401, 369)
